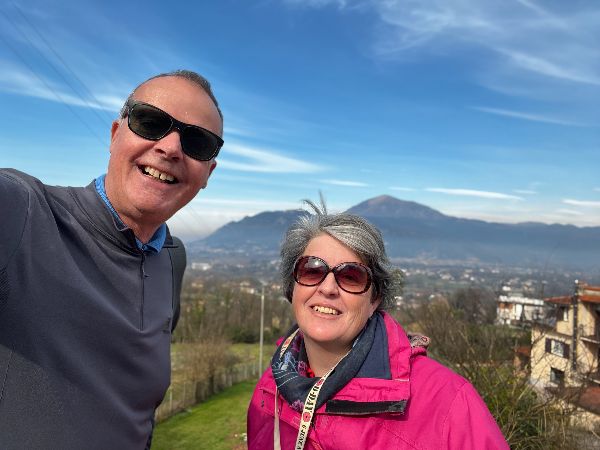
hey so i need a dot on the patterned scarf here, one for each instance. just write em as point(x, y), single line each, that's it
point(290, 369)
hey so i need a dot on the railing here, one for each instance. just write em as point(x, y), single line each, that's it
point(589, 334)
point(185, 394)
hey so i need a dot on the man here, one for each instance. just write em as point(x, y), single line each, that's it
point(87, 282)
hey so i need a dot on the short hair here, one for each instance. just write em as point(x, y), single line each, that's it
point(351, 230)
point(189, 75)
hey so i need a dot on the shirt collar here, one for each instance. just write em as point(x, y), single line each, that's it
point(155, 244)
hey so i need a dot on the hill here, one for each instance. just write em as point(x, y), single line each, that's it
point(416, 232)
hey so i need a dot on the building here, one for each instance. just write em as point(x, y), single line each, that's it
point(201, 266)
point(517, 310)
point(565, 356)
point(567, 353)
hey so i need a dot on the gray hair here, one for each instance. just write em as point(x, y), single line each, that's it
point(353, 231)
point(189, 75)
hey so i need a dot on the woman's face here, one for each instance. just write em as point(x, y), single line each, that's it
point(326, 314)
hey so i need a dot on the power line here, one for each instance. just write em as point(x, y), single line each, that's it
point(61, 59)
point(56, 94)
point(58, 72)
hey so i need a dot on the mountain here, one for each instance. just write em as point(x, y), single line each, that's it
point(393, 208)
point(258, 235)
point(417, 232)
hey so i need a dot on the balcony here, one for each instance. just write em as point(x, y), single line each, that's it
point(589, 335)
point(592, 339)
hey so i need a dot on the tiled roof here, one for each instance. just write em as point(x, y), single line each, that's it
point(588, 399)
point(587, 287)
point(566, 300)
point(590, 298)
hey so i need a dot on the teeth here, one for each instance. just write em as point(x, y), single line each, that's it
point(325, 310)
point(158, 174)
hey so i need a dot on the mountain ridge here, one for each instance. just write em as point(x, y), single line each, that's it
point(412, 230)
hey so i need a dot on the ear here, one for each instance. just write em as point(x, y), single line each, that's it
point(213, 165)
point(375, 304)
point(113, 129)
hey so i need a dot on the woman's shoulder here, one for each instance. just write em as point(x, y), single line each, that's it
point(426, 372)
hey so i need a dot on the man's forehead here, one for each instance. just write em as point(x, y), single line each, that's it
point(168, 84)
point(182, 98)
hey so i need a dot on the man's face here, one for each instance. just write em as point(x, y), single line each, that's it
point(143, 201)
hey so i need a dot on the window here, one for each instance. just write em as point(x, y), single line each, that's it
point(557, 348)
point(557, 376)
point(563, 313)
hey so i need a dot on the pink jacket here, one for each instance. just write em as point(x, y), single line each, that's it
point(442, 409)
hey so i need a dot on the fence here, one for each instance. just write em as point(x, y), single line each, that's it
point(188, 393)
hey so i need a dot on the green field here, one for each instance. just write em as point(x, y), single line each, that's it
point(218, 423)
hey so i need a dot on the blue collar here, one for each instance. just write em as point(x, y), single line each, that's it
point(155, 244)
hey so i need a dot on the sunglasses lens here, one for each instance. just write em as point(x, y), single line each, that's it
point(199, 144)
point(310, 271)
point(353, 278)
point(149, 122)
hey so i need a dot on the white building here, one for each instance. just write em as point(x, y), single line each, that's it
point(516, 309)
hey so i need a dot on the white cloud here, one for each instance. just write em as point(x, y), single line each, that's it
point(264, 161)
point(260, 205)
point(17, 81)
point(550, 69)
point(400, 188)
point(204, 215)
point(523, 47)
point(344, 183)
point(569, 212)
point(584, 203)
point(527, 116)
point(317, 3)
point(475, 193)
point(525, 191)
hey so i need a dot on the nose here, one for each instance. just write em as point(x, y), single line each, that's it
point(170, 146)
point(329, 286)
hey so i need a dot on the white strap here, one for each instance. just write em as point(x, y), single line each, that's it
point(309, 410)
point(276, 439)
point(309, 405)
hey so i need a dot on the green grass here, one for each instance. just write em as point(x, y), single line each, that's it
point(214, 424)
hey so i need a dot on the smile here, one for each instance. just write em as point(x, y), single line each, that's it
point(325, 310)
point(158, 175)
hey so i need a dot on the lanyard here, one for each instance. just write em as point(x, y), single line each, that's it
point(309, 404)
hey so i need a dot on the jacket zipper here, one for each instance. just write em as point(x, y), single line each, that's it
point(143, 279)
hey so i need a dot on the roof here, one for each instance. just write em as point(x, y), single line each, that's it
point(566, 300)
point(588, 399)
point(590, 298)
point(585, 293)
point(587, 287)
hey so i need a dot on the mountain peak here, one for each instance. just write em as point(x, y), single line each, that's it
point(392, 207)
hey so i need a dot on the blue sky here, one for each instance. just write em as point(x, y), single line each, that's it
point(479, 109)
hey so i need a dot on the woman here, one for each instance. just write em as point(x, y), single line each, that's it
point(348, 377)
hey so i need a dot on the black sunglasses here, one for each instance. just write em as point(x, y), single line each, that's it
point(151, 123)
point(351, 277)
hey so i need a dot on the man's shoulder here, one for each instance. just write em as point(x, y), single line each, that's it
point(18, 178)
point(17, 188)
point(15, 181)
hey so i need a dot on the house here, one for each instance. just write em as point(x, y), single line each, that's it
point(515, 309)
point(565, 356)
